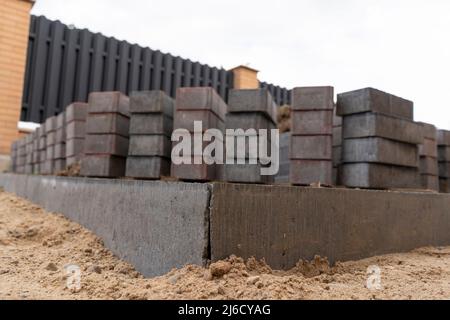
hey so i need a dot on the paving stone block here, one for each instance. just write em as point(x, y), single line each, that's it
point(74, 147)
point(337, 156)
point(185, 119)
point(428, 148)
point(60, 151)
point(108, 123)
point(77, 111)
point(379, 150)
point(429, 166)
point(195, 172)
point(60, 120)
point(151, 123)
point(444, 169)
point(155, 101)
point(50, 124)
point(42, 155)
point(311, 147)
point(28, 169)
point(150, 145)
point(380, 125)
point(247, 121)
point(42, 142)
point(444, 154)
point(337, 120)
point(429, 131)
point(50, 138)
point(313, 98)
point(109, 102)
point(430, 182)
point(103, 166)
point(444, 185)
point(306, 172)
point(110, 144)
point(443, 138)
point(373, 100)
point(50, 153)
point(60, 135)
point(245, 173)
point(312, 122)
point(200, 98)
point(147, 167)
point(74, 160)
point(253, 101)
point(337, 136)
point(76, 129)
point(379, 176)
point(47, 167)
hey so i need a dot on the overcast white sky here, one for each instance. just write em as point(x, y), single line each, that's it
point(399, 46)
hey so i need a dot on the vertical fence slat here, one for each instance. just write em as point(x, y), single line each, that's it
point(187, 73)
point(146, 69)
point(110, 65)
point(69, 66)
point(84, 61)
point(156, 72)
point(134, 74)
point(167, 76)
point(122, 67)
point(98, 58)
point(177, 76)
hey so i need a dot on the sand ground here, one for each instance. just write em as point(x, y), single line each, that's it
point(36, 248)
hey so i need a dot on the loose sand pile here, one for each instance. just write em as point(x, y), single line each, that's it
point(35, 247)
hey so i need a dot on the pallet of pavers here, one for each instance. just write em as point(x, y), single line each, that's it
point(29, 153)
point(444, 160)
point(107, 135)
point(428, 152)
point(50, 138)
point(380, 140)
point(42, 149)
point(312, 136)
point(75, 132)
point(59, 153)
point(249, 109)
point(337, 146)
point(151, 126)
point(21, 155)
point(36, 153)
point(197, 105)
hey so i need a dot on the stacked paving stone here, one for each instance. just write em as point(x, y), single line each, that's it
point(36, 153)
point(285, 163)
point(42, 150)
point(205, 105)
point(75, 132)
point(249, 109)
point(444, 160)
point(29, 153)
point(14, 156)
point(21, 155)
point(107, 135)
point(429, 171)
point(337, 146)
point(380, 140)
point(59, 155)
point(50, 134)
point(312, 135)
point(151, 125)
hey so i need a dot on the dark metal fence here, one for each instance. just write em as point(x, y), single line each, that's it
point(281, 95)
point(66, 64)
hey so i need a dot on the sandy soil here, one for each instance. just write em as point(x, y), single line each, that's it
point(36, 246)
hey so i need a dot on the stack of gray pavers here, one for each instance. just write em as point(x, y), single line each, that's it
point(42, 149)
point(36, 153)
point(204, 105)
point(380, 140)
point(312, 135)
point(285, 163)
point(444, 160)
point(14, 156)
point(75, 128)
point(337, 146)
point(21, 155)
point(50, 134)
point(250, 109)
point(59, 154)
point(29, 153)
point(151, 125)
point(107, 135)
point(429, 171)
